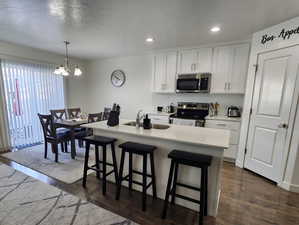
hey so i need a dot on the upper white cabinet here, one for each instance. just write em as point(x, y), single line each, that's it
point(230, 64)
point(195, 60)
point(164, 72)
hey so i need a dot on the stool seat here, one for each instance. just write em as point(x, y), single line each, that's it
point(137, 147)
point(189, 158)
point(99, 140)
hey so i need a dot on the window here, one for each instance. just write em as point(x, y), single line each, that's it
point(29, 89)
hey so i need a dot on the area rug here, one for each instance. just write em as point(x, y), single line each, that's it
point(67, 170)
point(26, 201)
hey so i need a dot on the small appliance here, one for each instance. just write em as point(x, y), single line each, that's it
point(193, 83)
point(190, 113)
point(233, 111)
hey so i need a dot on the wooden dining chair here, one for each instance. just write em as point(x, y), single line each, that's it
point(73, 113)
point(52, 136)
point(95, 117)
point(58, 114)
point(92, 118)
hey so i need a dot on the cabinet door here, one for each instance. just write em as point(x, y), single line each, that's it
point(170, 73)
point(203, 61)
point(237, 80)
point(159, 83)
point(222, 67)
point(187, 59)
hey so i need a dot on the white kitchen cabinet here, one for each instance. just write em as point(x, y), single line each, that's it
point(230, 64)
point(195, 60)
point(164, 72)
point(234, 128)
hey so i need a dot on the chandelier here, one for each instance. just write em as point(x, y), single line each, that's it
point(66, 70)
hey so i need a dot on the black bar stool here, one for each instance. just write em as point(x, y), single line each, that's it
point(139, 149)
point(194, 160)
point(103, 142)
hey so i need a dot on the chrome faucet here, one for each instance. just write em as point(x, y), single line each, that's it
point(139, 118)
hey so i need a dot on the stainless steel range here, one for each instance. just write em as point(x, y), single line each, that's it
point(191, 114)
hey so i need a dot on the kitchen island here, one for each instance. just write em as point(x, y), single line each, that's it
point(166, 138)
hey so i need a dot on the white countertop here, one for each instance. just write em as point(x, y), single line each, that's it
point(185, 134)
point(223, 117)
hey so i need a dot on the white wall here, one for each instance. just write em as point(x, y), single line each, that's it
point(136, 93)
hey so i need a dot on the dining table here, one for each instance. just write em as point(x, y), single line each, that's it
point(71, 125)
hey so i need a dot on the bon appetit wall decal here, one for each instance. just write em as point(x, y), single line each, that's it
point(284, 34)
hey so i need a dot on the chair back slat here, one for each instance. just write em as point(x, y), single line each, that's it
point(58, 114)
point(95, 117)
point(73, 113)
point(47, 125)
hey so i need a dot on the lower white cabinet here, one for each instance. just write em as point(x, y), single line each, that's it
point(234, 127)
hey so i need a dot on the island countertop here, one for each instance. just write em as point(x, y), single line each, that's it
point(218, 138)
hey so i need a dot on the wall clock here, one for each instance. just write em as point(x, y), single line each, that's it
point(118, 78)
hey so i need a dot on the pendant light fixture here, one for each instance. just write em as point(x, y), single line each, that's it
point(66, 70)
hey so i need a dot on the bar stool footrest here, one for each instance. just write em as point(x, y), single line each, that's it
point(188, 186)
point(98, 170)
point(187, 198)
point(101, 162)
point(126, 178)
point(140, 173)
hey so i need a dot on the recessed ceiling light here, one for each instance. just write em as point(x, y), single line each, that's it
point(149, 39)
point(215, 29)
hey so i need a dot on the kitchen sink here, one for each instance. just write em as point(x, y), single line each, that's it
point(154, 126)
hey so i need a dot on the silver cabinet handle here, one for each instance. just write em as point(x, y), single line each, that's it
point(283, 125)
point(229, 86)
point(225, 85)
point(192, 66)
point(221, 124)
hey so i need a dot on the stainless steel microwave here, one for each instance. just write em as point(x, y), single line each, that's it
point(193, 83)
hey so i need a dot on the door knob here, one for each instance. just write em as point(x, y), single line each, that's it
point(283, 125)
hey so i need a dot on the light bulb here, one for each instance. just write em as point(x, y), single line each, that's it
point(57, 71)
point(64, 72)
point(77, 71)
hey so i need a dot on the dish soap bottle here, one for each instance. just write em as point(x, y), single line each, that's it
point(146, 122)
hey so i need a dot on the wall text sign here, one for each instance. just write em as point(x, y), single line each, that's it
point(284, 34)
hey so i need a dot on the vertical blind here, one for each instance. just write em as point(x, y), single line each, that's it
point(29, 88)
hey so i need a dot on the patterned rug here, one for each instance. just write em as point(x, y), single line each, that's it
point(26, 201)
point(67, 170)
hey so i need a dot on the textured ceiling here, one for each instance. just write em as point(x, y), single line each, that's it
point(106, 28)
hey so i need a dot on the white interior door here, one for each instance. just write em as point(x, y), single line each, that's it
point(272, 100)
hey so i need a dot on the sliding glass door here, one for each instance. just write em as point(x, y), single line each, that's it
point(29, 89)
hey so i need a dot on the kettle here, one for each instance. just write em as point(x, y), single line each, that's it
point(233, 111)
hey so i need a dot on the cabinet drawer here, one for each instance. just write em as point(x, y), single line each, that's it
point(220, 124)
point(231, 152)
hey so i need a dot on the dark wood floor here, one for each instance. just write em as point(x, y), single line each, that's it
point(246, 199)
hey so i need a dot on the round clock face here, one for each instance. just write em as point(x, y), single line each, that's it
point(118, 78)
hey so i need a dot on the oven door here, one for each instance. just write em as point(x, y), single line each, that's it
point(187, 85)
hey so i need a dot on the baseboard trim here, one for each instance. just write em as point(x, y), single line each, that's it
point(290, 187)
point(239, 164)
